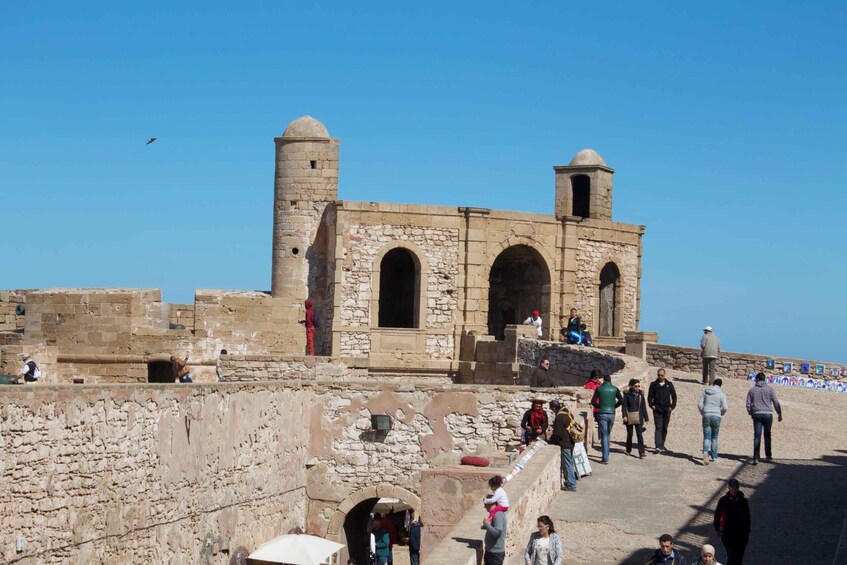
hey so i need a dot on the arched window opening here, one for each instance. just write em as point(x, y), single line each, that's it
point(398, 290)
point(609, 280)
point(518, 283)
point(581, 196)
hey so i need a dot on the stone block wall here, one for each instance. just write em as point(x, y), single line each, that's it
point(568, 359)
point(730, 364)
point(10, 320)
point(247, 368)
point(181, 314)
point(149, 474)
point(592, 256)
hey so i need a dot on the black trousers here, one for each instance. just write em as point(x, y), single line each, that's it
point(661, 419)
point(638, 429)
point(734, 549)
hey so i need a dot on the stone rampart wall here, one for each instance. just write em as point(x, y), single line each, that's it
point(732, 365)
point(149, 473)
point(247, 368)
point(10, 320)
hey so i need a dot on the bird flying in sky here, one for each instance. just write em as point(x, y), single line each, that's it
point(151, 140)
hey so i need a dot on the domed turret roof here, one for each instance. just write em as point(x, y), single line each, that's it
point(587, 157)
point(306, 126)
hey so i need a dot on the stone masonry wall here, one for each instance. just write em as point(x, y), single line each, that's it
point(733, 365)
point(363, 242)
point(149, 473)
point(10, 320)
point(569, 359)
point(591, 257)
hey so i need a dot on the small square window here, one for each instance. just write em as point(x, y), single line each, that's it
point(313, 164)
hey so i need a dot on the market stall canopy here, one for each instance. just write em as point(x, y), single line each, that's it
point(297, 549)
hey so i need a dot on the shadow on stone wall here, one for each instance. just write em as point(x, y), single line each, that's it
point(797, 510)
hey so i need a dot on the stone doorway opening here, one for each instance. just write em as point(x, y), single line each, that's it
point(160, 372)
point(358, 523)
point(518, 283)
point(609, 289)
point(399, 284)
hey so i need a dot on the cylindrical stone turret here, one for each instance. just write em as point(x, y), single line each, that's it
point(305, 181)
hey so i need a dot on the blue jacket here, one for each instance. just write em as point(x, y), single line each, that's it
point(415, 537)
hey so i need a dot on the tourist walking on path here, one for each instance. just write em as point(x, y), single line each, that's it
point(607, 398)
point(495, 537)
point(541, 375)
point(710, 349)
point(634, 411)
point(661, 397)
point(666, 554)
point(535, 320)
point(562, 437)
point(309, 322)
point(713, 405)
point(535, 422)
point(707, 556)
point(760, 398)
point(545, 546)
point(732, 523)
point(593, 383)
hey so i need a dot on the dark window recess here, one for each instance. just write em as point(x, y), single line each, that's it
point(295, 251)
point(160, 372)
point(313, 164)
point(581, 187)
point(397, 283)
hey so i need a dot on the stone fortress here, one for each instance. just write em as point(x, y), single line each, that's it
point(420, 311)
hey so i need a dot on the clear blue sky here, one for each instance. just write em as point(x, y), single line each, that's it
point(726, 123)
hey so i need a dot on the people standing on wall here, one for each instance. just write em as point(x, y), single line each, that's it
point(661, 397)
point(535, 320)
point(535, 422)
point(561, 436)
point(606, 398)
point(760, 398)
point(634, 411)
point(309, 322)
point(180, 366)
point(732, 523)
point(414, 539)
point(218, 365)
point(545, 546)
point(712, 405)
point(573, 328)
point(710, 349)
point(29, 371)
point(541, 375)
point(494, 543)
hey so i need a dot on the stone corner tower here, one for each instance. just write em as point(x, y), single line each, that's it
point(584, 187)
point(305, 182)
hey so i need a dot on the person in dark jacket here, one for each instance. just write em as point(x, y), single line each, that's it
point(661, 397)
point(607, 398)
point(572, 330)
point(541, 375)
point(634, 404)
point(535, 421)
point(414, 539)
point(561, 437)
point(732, 522)
point(666, 554)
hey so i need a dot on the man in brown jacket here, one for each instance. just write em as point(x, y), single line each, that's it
point(562, 438)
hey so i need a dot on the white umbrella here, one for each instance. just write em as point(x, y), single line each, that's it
point(297, 549)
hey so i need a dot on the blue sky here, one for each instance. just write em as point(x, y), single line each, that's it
point(726, 124)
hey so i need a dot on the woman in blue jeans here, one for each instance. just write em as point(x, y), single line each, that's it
point(713, 405)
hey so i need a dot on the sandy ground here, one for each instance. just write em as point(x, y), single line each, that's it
point(797, 502)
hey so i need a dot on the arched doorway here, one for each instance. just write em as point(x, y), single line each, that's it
point(608, 314)
point(518, 283)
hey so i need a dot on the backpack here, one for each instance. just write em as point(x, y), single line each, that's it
point(33, 368)
point(575, 429)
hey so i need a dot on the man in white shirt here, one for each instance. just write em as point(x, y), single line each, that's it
point(535, 320)
point(30, 371)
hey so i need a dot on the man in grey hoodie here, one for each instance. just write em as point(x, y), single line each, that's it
point(710, 349)
point(760, 398)
point(712, 406)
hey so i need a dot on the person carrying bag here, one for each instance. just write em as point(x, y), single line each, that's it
point(634, 411)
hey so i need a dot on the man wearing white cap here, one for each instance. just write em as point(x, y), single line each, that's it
point(30, 371)
point(710, 349)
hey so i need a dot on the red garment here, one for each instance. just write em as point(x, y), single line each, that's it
point(537, 418)
point(310, 340)
point(389, 527)
point(591, 385)
point(310, 315)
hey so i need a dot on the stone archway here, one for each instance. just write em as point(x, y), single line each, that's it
point(348, 524)
point(518, 283)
